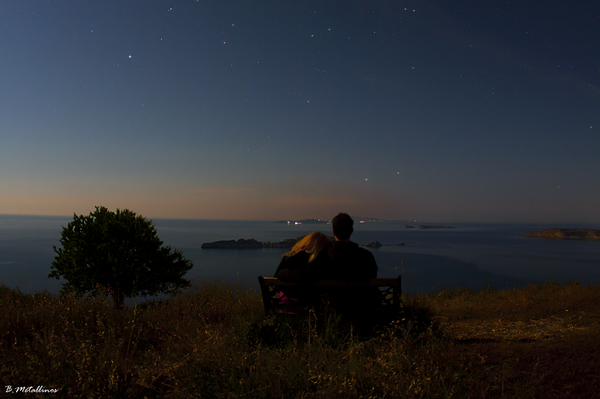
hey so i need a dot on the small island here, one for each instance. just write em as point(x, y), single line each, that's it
point(250, 243)
point(578, 234)
point(437, 227)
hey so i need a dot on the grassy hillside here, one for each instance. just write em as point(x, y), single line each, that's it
point(214, 341)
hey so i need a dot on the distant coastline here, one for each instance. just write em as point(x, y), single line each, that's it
point(359, 219)
point(578, 234)
point(429, 227)
point(304, 221)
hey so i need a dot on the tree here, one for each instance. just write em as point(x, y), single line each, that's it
point(119, 252)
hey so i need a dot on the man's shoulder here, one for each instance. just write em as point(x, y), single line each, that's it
point(343, 245)
point(359, 250)
point(349, 250)
point(364, 253)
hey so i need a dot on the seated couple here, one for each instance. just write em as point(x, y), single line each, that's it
point(315, 257)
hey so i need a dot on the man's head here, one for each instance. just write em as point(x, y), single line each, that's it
point(342, 226)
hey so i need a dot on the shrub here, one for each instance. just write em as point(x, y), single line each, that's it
point(120, 252)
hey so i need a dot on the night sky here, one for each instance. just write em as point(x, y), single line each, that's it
point(442, 111)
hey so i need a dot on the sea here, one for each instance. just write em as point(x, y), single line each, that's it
point(468, 255)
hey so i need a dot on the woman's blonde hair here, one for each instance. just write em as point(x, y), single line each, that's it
point(311, 243)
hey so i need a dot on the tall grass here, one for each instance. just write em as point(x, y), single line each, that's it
point(215, 341)
point(532, 301)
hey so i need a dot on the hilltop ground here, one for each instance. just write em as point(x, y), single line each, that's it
point(215, 341)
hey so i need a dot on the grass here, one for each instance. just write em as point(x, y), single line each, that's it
point(214, 341)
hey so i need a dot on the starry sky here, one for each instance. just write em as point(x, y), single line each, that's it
point(436, 110)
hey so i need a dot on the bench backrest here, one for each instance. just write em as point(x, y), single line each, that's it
point(271, 287)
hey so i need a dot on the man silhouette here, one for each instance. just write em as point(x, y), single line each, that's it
point(345, 260)
point(348, 261)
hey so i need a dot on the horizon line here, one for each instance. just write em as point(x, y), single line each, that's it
point(413, 221)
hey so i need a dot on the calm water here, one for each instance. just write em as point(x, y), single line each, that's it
point(471, 255)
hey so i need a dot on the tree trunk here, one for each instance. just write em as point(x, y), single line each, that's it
point(119, 299)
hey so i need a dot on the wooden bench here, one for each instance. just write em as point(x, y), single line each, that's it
point(389, 288)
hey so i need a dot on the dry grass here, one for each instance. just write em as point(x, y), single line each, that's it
point(214, 341)
point(539, 341)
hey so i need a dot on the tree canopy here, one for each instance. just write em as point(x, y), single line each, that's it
point(119, 252)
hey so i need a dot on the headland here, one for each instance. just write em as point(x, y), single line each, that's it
point(578, 234)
